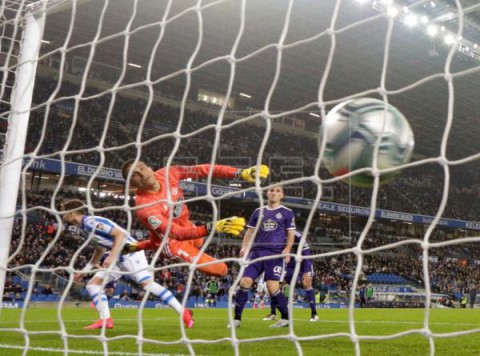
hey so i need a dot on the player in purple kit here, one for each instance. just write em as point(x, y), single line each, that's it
point(306, 271)
point(275, 236)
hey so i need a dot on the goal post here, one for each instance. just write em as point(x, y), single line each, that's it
point(13, 153)
point(22, 30)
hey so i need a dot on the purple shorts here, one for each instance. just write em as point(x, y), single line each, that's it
point(306, 267)
point(273, 268)
point(111, 285)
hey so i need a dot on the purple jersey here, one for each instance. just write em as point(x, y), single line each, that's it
point(272, 231)
point(296, 243)
point(306, 265)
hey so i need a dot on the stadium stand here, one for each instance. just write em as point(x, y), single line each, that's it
point(411, 191)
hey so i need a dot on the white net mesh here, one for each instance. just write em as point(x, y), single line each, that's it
point(243, 83)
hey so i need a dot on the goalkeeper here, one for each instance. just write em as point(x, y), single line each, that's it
point(184, 239)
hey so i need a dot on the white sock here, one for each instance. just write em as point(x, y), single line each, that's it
point(99, 299)
point(165, 295)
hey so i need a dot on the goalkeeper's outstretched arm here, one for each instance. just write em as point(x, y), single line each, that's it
point(160, 224)
point(201, 171)
point(231, 226)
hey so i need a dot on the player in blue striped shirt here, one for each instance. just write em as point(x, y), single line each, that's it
point(108, 236)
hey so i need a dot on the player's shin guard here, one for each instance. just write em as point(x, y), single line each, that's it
point(165, 295)
point(311, 300)
point(278, 299)
point(99, 299)
point(240, 300)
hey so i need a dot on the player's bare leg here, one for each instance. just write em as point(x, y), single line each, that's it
point(168, 298)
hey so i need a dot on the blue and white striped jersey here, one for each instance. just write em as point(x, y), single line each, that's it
point(101, 228)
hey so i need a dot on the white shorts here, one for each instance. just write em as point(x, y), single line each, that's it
point(136, 263)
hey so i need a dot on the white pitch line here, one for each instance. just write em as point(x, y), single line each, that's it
point(394, 322)
point(226, 320)
point(82, 352)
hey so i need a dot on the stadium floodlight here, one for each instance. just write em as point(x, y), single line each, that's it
point(449, 39)
point(424, 19)
point(411, 20)
point(392, 11)
point(432, 30)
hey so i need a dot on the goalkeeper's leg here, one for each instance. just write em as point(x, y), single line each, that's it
point(187, 251)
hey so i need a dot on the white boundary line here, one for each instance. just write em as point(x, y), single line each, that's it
point(226, 320)
point(84, 352)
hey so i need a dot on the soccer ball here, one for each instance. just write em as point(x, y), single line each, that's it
point(352, 129)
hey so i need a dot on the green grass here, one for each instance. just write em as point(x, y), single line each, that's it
point(162, 334)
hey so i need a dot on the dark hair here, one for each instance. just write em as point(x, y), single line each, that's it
point(126, 167)
point(275, 184)
point(73, 205)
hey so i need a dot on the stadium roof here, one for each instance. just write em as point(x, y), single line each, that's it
point(360, 42)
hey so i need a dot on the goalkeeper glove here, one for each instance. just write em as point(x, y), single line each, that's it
point(233, 225)
point(129, 248)
point(249, 174)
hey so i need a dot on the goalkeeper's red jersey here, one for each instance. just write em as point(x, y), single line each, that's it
point(156, 213)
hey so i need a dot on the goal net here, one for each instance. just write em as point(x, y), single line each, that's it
point(86, 85)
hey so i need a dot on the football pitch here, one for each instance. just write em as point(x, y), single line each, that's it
point(210, 336)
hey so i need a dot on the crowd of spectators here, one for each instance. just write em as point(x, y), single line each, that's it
point(452, 269)
point(417, 190)
point(15, 289)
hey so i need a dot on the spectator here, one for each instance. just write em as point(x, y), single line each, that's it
point(124, 296)
point(47, 290)
point(180, 290)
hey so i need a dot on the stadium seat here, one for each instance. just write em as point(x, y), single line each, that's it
point(385, 278)
point(52, 297)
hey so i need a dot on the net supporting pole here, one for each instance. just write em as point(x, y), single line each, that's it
point(21, 99)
